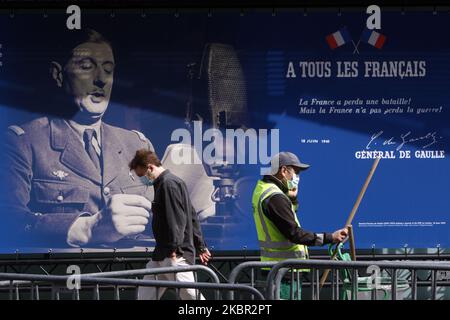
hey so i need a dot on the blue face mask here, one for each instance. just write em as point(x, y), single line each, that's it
point(146, 180)
point(293, 184)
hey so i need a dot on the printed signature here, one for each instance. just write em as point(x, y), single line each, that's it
point(429, 139)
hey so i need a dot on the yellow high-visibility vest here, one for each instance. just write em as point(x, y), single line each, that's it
point(274, 246)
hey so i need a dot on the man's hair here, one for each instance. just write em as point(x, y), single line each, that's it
point(76, 37)
point(143, 158)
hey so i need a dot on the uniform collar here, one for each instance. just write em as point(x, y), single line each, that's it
point(73, 155)
point(79, 129)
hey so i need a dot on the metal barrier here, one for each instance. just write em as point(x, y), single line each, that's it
point(156, 271)
point(345, 277)
point(239, 269)
point(130, 273)
point(33, 282)
point(279, 270)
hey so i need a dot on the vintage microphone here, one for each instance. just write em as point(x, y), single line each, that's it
point(219, 99)
point(221, 88)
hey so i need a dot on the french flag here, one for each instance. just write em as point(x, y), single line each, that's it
point(373, 38)
point(339, 38)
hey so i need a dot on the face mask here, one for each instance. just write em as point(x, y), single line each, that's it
point(293, 184)
point(146, 180)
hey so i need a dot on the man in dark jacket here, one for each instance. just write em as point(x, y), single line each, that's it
point(175, 225)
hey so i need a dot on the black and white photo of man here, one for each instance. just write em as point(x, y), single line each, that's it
point(65, 178)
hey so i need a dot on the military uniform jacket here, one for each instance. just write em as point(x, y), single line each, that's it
point(48, 179)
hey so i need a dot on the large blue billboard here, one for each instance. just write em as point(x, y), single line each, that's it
point(320, 85)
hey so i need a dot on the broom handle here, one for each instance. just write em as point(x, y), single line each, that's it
point(361, 193)
point(351, 237)
point(353, 212)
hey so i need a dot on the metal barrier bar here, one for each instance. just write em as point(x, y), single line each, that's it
point(173, 284)
point(374, 291)
point(197, 292)
point(394, 284)
point(37, 292)
point(55, 292)
point(140, 272)
point(17, 293)
point(157, 288)
point(116, 293)
point(136, 292)
point(97, 292)
point(414, 284)
point(116, 282)
point(10, 289)
point(336, 284)
point(333, 293)
point(252, 279)
point(149, 271)
point(433, 284)
point(291, 287)
point(163, 270)
point(14, 283)
point(279, 278)
point(137, 272)
point(31, 291)
point(354, 284)
point(317, 271)
point(272, 280)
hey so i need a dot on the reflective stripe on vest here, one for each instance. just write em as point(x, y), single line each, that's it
point(283, 254)
point(275, 244)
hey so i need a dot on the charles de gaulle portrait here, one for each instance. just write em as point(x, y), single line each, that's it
point(65, 177)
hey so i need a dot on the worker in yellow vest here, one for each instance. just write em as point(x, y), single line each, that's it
point(275, 204)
